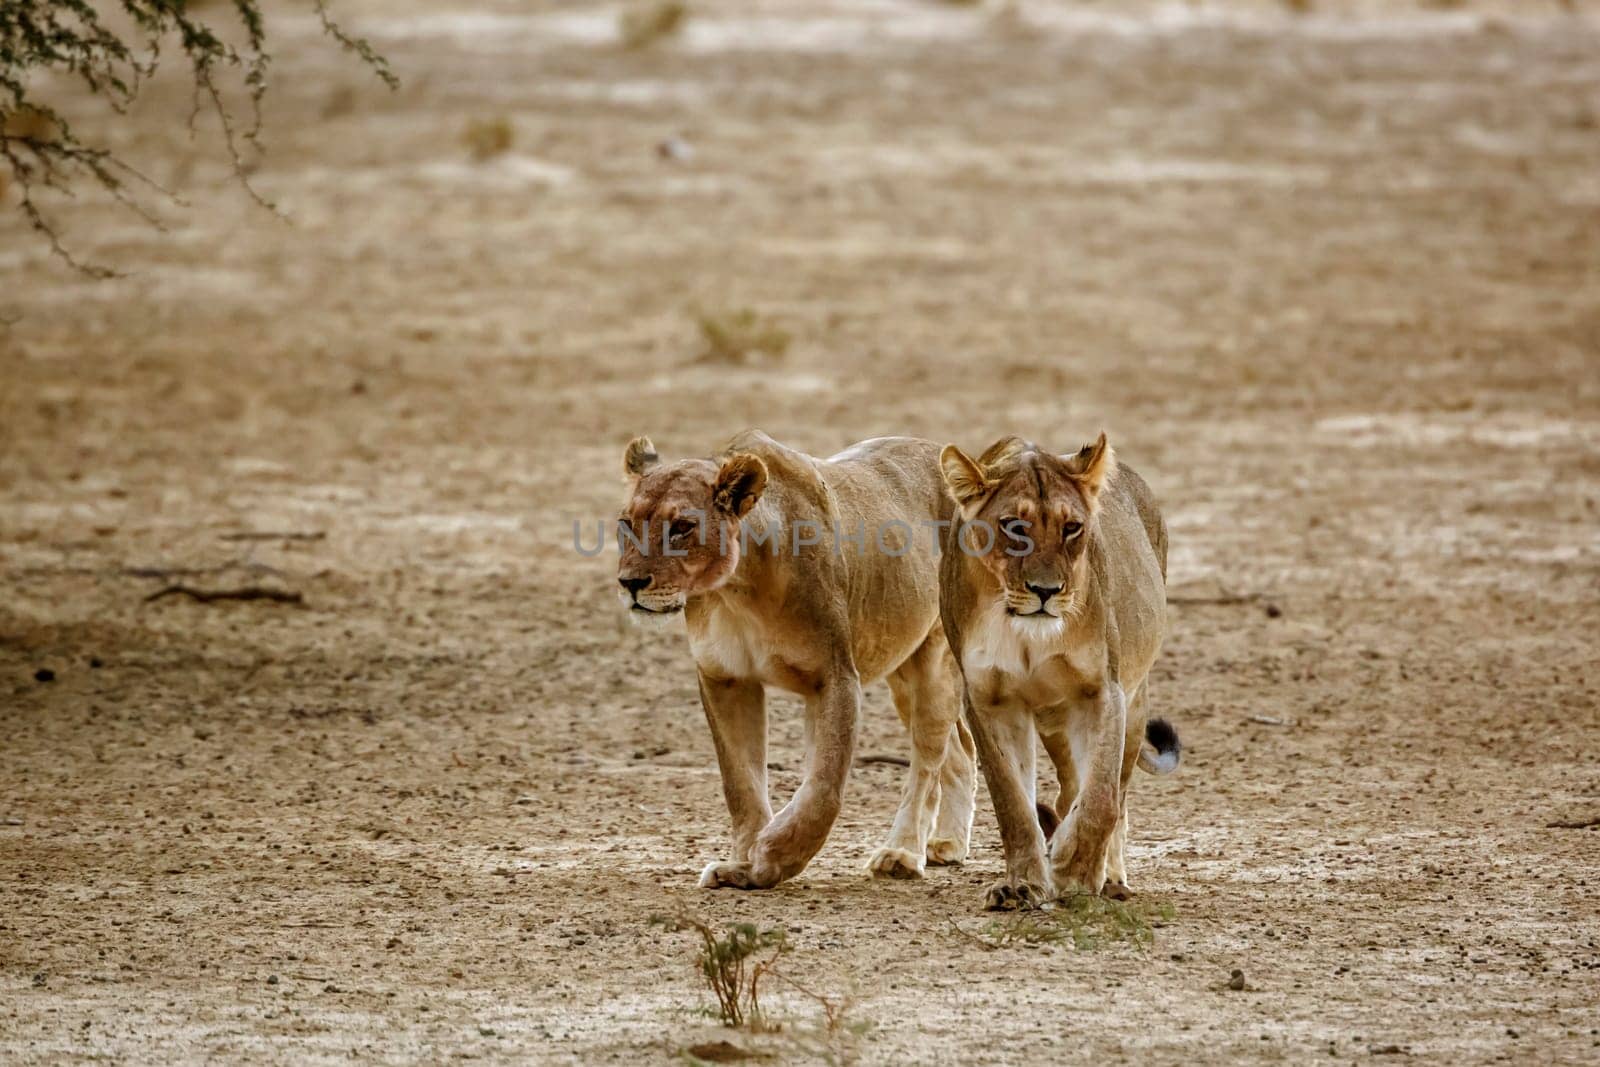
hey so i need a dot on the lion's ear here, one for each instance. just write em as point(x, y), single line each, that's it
point(964, 478)
point(640, 457)
point(740, 483)
point(1093, 466)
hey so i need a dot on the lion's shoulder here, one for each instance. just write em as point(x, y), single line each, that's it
point(789, 470)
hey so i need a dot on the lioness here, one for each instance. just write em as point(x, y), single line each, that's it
point(812, 575)
point(1053, 593)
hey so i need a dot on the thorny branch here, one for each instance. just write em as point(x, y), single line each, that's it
point(41, 151)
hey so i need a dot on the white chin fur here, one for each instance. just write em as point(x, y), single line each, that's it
point(1039, 627)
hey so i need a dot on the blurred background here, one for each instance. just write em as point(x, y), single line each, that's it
point(1327, 272)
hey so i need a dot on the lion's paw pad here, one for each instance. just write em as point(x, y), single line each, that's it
point(894, 863)
point(946, 852)
point(1004, 896)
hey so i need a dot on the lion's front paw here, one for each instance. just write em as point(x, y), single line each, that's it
point(1006, 896)
point(946, 851)
point(1070, 883)
point(894, 863)
point(729, 875)
point(1075, 869)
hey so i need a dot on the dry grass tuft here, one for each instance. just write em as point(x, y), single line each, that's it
point(487, 138)
point(732, 337)
point(646, 23)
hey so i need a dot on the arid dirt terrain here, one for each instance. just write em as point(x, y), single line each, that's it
point(1331, 281)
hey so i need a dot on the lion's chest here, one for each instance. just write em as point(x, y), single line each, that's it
point(729, 644)
point(1031, 664)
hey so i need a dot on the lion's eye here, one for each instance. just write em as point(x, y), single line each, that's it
point(1070, 530)
point(682, 529)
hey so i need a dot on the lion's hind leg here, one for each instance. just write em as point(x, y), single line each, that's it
point(919, 686)
point(958, 785)
point(1117, 885)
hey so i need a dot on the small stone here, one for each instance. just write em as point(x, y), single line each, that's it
point(272, 979)
point(44, 674)
point(1236, 981)
point(1274, 612)
point(95, 663)
point(675, 150)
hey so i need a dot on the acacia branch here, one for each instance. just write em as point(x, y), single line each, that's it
point(41, 150)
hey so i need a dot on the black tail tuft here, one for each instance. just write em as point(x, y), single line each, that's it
point(1165, 749)
point(1160, 733)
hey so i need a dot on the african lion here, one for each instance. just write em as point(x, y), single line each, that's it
point(814, 576)
point(1053, 594)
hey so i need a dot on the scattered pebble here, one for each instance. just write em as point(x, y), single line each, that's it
point(1236, 982)
point(675, 149)
point(44, 674)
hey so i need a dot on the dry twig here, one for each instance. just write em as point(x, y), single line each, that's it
point(275, 535)
point(207, 596)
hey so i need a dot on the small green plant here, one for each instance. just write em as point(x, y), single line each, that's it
point(732, 336)
point(646, 23)
point(732, 965)
point(1084, 922)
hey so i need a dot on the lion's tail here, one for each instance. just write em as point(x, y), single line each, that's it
point(1159, 754)
point(1161, 750)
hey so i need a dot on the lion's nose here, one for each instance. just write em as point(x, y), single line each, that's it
point(635, 586)
point(1044, 592)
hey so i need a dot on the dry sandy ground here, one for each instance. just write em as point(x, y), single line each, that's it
point(1332, 283)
